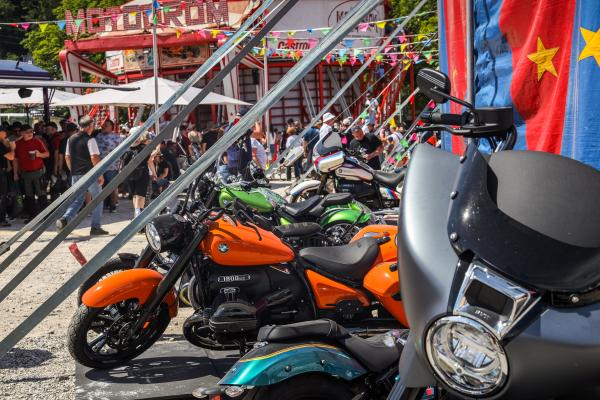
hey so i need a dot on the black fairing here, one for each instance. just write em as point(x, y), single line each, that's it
point(533, 216)
point(427, 260)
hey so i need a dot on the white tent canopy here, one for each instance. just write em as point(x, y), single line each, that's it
point(10, 97)
point(145, 96)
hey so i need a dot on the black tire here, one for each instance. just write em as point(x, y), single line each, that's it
point(304, 387)
point(111, 267)
point(81, 351)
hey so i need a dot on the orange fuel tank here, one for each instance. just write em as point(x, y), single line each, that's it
point(236, 245)
point(385, 283)
point(328, 292)
point(387, 251)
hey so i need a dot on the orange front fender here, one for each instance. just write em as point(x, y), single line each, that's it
point(136, 283)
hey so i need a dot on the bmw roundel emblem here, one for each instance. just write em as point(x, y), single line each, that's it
point(223, 248)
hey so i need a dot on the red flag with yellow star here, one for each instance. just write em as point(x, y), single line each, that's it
point(542, 57)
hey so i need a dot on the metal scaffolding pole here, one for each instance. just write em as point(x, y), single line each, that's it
point(141, 156)
point(45, 218)
point(275, 94)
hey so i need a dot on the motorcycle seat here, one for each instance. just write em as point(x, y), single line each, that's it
point(371, 352)
point(332, 199)
point(300, 229)
point(390, 179)
point(351, 261)
point(302, 207)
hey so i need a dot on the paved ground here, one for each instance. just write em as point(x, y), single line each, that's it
point(40, 366)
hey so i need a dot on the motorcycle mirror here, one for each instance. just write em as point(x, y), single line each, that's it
point(434, 84)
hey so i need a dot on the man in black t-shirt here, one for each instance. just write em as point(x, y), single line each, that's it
point(368, 144)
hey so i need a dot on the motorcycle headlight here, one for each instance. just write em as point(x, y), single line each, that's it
point(466, 355)
point(153, 237)
point(167, 232)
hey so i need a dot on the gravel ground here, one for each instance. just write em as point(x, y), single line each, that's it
point(40, 366)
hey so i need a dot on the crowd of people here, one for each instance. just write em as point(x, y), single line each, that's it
point(39, 163)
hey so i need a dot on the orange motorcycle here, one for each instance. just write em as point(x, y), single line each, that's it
point(244, 277)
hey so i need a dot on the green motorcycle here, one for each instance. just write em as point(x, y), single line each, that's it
point(338, 214)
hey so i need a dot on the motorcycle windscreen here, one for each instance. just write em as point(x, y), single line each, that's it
point(533, 216)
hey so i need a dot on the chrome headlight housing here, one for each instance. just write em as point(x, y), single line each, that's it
point(466, 355)
point(167, 232)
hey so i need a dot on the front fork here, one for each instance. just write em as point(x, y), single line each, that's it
point(169, 280)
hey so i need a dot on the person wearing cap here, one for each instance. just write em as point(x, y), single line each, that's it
point(369, 144)
point(81, 155)
point(28, 166)
point(326, 129)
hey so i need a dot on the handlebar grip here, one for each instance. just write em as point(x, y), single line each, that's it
point(445, 118)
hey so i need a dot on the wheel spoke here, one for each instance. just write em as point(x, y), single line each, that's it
point(99, 342)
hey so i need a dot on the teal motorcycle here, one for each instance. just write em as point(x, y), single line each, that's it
point(317, 360)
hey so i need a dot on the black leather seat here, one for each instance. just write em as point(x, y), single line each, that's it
point(301, 207)
point(351, 261)
point(371, 352)
point(300, 229)
point(332, 199)
point(390, 179)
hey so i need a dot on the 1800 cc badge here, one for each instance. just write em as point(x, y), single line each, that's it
point(233, 278)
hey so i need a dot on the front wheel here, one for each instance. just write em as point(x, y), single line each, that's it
point(98, 337)
point(304, 387)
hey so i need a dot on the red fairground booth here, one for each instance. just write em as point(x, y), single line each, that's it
point(189, 31)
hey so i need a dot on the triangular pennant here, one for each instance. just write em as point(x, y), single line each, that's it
point(373, 52)
point(363, 27)
point(291, 33)
point(214, 33)
point(413, 137)
point(26, 25)
point(95, 21)
point(352, 60)
point(342, 52)
point(367, 42)
point(178, 33)
point(275, 34)
point(364, 114)
point(361, 58)
point(166, 9)
point(133, 14)
point(114, 17)
point(333, 57)
point(404, 143)
point(378, 58)
point(393, 122)
point(262, 52)
point(348, 43)
point(61, 25)
point(182, 5)
point(381, 25)
point(78, 22)
point(155, 4)
point(394, 58)
point(299, 53)
point(148, 13)
point(387, 49)
point(403, 47)
point(312, 42)
point(43, 27)
point(290, 42)
point(14, 25)
point(325, 31)
point(421, 37)
point(402, 38)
